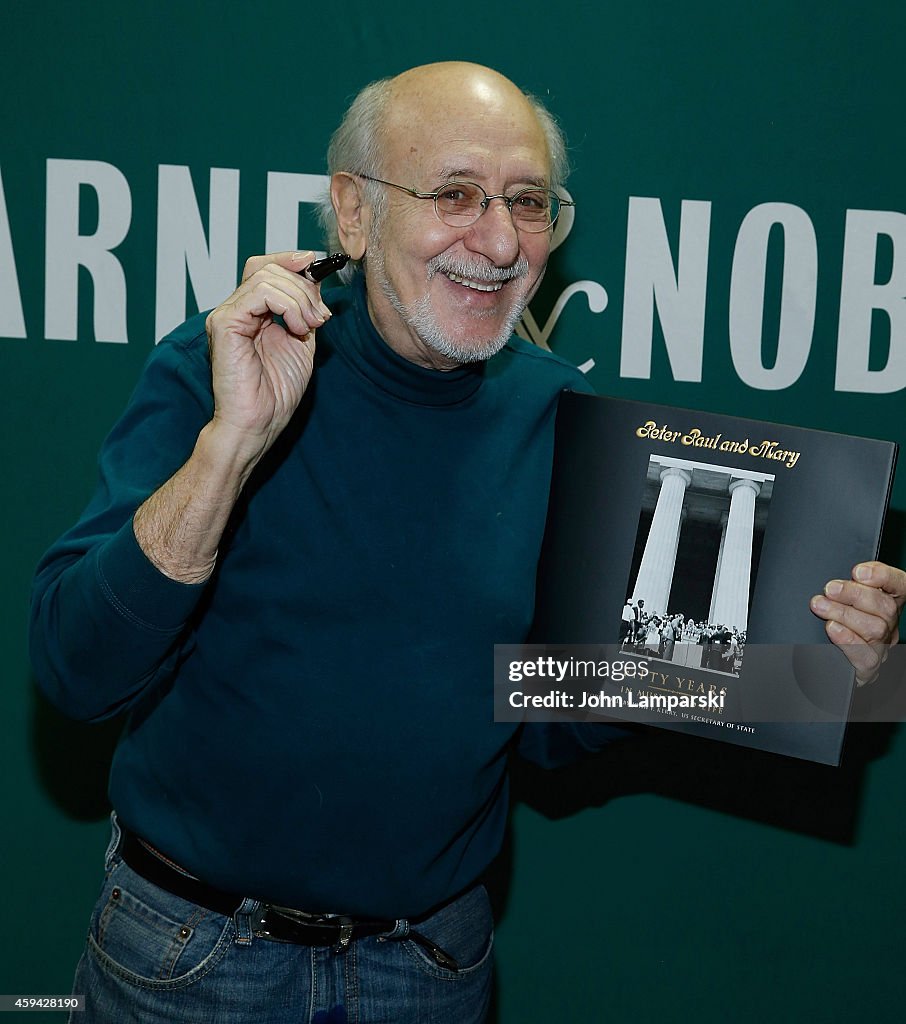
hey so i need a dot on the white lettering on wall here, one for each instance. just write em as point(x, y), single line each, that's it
point(860, 296)
point(66, 250)
point(12, 319)
point(182, 246)
point(284, 193)
point(797, 302)
point(677, 292)
point(671, 285)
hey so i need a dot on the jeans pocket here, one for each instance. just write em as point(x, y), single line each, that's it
point(464, 929)
point(149, 937)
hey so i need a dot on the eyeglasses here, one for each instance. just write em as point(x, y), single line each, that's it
point(460, 203)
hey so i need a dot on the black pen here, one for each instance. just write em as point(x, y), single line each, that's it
point(322, 268)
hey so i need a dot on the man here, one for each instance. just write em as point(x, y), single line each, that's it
point(641, 620)
point(293, 573)
point(669, 637)
point(627, 621)
point(719, 644)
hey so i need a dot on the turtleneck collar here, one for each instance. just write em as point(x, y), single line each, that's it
point(359, 343)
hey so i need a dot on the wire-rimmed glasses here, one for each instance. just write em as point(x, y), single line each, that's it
point(461, 203)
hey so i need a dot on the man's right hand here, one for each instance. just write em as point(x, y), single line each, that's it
point(260, 366)
point(260, 370)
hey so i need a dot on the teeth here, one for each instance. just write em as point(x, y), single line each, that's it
point(479, 286)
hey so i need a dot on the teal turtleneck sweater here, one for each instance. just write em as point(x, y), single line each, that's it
point(313, 726)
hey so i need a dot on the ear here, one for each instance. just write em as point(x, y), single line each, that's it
point(352, 212)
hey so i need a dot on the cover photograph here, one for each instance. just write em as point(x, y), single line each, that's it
point(680, 554)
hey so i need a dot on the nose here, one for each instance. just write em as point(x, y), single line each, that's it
point(494, 235)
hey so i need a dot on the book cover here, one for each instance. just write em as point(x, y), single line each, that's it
point(684, 547)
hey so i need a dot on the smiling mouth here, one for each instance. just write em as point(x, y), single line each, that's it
point(479, 286)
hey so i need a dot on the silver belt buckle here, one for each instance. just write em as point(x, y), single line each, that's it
point(345, 935)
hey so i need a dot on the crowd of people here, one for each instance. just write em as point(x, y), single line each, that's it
point(656, 636)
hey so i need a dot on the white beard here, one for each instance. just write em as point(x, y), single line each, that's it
point(420, 317)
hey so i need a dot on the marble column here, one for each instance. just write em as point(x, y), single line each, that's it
point(731, 592)
point(655, 575)
point(720, 554)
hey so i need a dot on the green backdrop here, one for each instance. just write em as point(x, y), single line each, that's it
point(739, 245)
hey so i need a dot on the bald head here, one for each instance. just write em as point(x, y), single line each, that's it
point(436, 94)
point(452, 74)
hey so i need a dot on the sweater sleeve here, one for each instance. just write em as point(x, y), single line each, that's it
point(105, 623)
point(555, 745)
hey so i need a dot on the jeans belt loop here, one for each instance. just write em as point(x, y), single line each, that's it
point(400, 931)
point(243, 920)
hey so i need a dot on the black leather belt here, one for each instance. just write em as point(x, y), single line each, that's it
point(280, 924)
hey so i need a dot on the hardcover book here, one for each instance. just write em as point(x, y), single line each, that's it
point(680, 554)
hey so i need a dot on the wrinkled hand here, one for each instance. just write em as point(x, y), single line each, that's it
point(863, 613)
point(260, 366)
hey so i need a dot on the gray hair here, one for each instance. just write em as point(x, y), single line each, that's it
point(358, 146)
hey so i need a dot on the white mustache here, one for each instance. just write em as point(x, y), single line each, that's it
point(487, 272)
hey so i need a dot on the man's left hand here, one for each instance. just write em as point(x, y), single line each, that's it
point(862, 614)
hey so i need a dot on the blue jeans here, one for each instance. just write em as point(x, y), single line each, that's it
point(154, 958)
